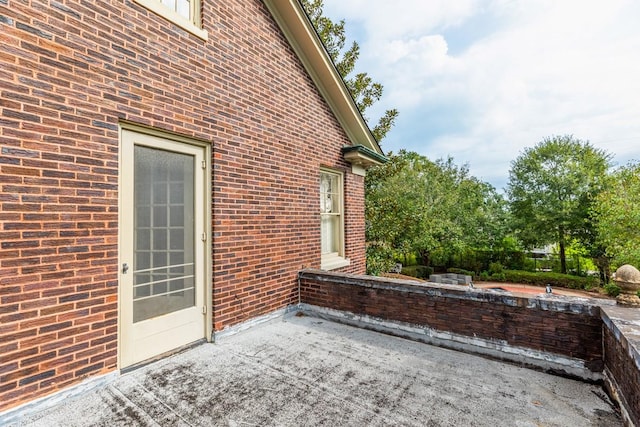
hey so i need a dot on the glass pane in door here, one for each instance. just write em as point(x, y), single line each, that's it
point(164, 262)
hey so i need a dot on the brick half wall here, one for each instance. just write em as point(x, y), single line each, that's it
point(557, 334)
point(621, 334)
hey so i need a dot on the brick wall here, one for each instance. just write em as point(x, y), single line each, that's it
point(354, 223)
point(622, 363)
point(605, 337)
point(266, 176)
point(71, 71)
point(560, 328)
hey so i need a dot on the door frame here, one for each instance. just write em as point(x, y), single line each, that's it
point(207, 205)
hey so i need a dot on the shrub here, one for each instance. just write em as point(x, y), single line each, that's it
point(419, 271)
point(638, 294)
point(576, 272)
point(495, 268)
point(499, 277)
point(529, 264)
point(484, 276)
point(554, 279)
point(612, 289)
point(379, 259)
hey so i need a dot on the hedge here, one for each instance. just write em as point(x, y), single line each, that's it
point(544, 278)
point(419, 271)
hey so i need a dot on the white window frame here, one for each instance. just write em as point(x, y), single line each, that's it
point(334, 260)
point(191, 25)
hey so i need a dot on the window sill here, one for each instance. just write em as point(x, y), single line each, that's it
point(158, 8)
point(333, 262)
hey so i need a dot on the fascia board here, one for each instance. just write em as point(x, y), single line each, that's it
point(304, 40)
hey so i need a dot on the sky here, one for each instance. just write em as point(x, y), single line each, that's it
point(481, 80)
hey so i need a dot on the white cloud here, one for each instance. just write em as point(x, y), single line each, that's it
point(521, 71)
point(389, 19)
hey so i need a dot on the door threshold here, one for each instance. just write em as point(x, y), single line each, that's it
point(164, 355)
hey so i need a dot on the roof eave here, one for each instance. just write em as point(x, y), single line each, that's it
point(362, 156)
point(303, 38)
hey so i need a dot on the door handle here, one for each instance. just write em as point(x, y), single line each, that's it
point(125, 268)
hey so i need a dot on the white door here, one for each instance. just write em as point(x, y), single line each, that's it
point(162, 246)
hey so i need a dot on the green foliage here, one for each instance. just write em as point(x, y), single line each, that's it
point(406, 259)
point(579, 259)
point(433, 209)
point(638, 294)
point(543, 278)
point(576, 264)
point(419, 271)
point(363, 89)
point(612, 289)
point(479, 260)
point(495, 268)
point(385, 123)
point(530, 264)
point(551, 189)
point(484, 276)
point(379, 258)
point(617, 214)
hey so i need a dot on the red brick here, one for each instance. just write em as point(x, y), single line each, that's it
point(623, 368)
point(269, 131)
point(574, 334)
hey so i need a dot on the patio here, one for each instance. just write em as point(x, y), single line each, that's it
point(309, 371)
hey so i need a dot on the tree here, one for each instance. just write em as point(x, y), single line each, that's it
point(414, 205)
point(485, 215)
point(551, 189)
point(362, 88)
point(616, 212)
point(398, 210)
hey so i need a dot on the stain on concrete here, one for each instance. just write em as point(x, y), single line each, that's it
point(302, 371)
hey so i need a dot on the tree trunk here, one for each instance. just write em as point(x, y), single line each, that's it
point(604, 279)
point(602, 262)
point(425, 256)
point(563, 256)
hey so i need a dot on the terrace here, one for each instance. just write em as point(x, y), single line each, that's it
point(306, 368)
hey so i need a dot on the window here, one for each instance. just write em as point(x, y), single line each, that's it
point(331, 221)
point(183, 13)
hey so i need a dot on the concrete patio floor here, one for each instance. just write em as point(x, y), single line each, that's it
point(307, 371)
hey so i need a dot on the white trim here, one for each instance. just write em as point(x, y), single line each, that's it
point(207, 201)
point(358, 170)
point(158, 8)
point(155, 138)
point(333, 262)
point(358, 159)
point(292, 20)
